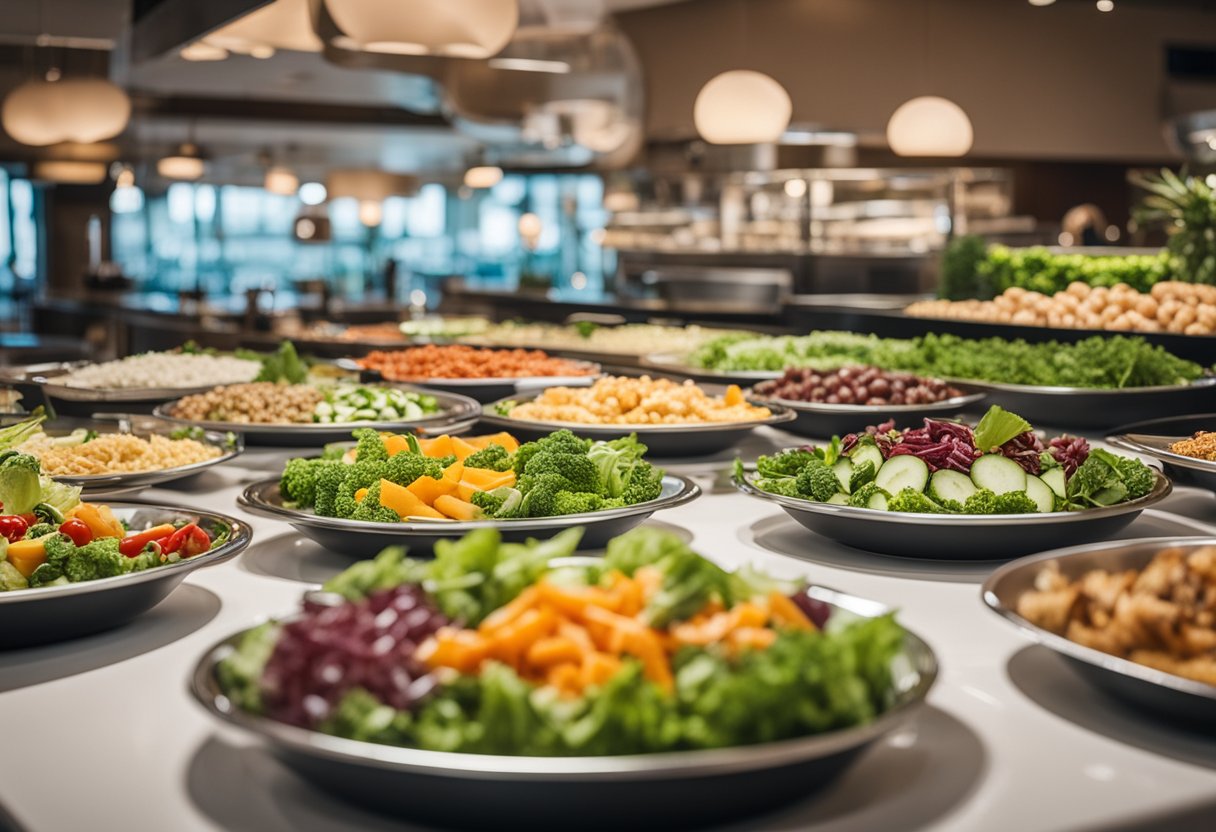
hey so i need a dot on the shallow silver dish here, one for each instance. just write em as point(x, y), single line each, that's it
point(83, 401)
point(1184, 470)
point(456, 414)
point(660, 440)
point(662, 791)
point(676, 364)
point(959, 536)
point(363, 540)
point(1171, 696)
point(821, 420)
point(1083, 407)
point(488, 389)
point(56, 613)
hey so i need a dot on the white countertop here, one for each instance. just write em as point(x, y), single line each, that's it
point(100, 734)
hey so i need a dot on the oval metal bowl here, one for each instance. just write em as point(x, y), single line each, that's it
point(56, 613)
point(95, 485)
point(1173, 697)
point(361, 539)
point(1154, 438)
point(489, 389)
point(660, 440)
point(959, 536)
point(456, 415)
point(85, 401)
point(680, 789)
point(821, 420)
point(1081, 407)
point(674, 364)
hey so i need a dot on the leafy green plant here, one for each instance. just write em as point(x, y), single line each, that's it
point(1186, 206)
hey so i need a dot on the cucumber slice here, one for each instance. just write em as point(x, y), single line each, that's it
point(999, 474)
point(866, 453)
point(838, 499)
point(1044, 495)
point(843, 469)
point(878, 500)
point(950, 485)
point(900, 472)
point(1054, 477)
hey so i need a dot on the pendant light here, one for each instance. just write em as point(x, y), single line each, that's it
point(482, 176)
point(449, 28)
point(185, 163)
point(742, 106)
point(929, 125)
point(84, 110)
point(70, 172)
point(281, 180)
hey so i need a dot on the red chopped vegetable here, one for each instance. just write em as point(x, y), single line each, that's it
point(78, 531)
point(187, 542)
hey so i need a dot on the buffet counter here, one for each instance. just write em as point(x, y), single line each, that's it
point(1012, 738)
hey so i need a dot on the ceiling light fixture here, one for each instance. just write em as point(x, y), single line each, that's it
point(371, 212)
point(281, 180)
point(312, 193)
point(1106, 5)
point(450, 28)
point(70, 172)
point(83, 110)
point(929, 126)
point(742, 107)
point(1041, 2)
point(482, 176)
point(186, 163)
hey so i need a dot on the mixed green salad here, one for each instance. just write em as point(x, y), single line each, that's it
point(49, 537)
point(496, 648)
point(1099, 362)
point(999, 467)
point(390, 478)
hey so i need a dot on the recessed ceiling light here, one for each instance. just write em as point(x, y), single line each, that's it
point(1106, 5)
point(1041, 2)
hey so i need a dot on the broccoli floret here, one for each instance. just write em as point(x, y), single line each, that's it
point(574, 502)
point(645, 483)
point(911, 500)
point(1103, 480)
point(328, 480)
point(370, 510)
point(39, 529)
point(860, 498)
point(403, 469)
point(493, 457)
point(817, 482)
point(540, 495)
point(1015, 502)
point(98, 559)
point(488, 501)
point(369, 446)
point(562, 441)
point(785, 464)
point(616, 461)
point(575, 468)
point(299, 481)
point(981, 502)
point(785, 486)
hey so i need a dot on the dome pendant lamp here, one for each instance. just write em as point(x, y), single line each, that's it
point(929, 125)
point(742, 106)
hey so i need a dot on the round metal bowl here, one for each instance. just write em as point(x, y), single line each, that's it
point(489, 389)
point(1082, 407)
point(85, 401)
point(660, 440)
point(959, 536)
point(1154, 438)
point(821, 420)
point(456, 414)
point(675, 364)
point(667, 790)
point(1173, 697)
point(56, 613)
point(361, 539)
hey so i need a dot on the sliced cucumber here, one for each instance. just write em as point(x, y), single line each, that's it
point(838, 499)
point(866, 453)
point(999, 474)
point(1054, 477)
point(1044, 495)
point(843, 469)
point(878, 500)
point(950, 485)
point(900, 472)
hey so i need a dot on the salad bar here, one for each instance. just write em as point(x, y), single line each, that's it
point(681, 604)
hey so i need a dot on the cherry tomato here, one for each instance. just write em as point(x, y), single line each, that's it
point(13, 527)
point(78, 531)
point(187, 542)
